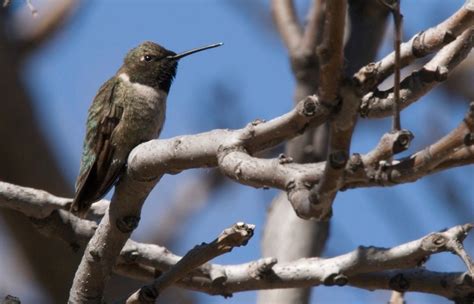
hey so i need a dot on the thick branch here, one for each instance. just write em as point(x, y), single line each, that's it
point(355, 268)
point(458, 287)
point(341, 128)
point(160, 156)
point(365, 267)
point(29, 201)
point(201, 150)
point(115, 228)
point(330, 52)
point(367, 170)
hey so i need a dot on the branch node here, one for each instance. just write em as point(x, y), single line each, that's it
point(335, 279)
point(235, 236)
point(310, 105)
point(394, 175)
point(366, 77)
point(341, 280)
point(148, 294)
point(399, 283)
point(403, 141)
point(283, 159)
point(441, 73)
point(130, 256)
point(9, 299)
point(469, 139)
point(218, 276)
point(127, 224)
point(438, 240)
point(298, 195)
point(257, 121)
point(261, 268)
point(355, 163)
point(95, 255)
point(338, 159)
point(448, 37)
point(418, 48)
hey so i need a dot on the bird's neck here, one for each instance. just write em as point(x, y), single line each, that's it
point(142, 89)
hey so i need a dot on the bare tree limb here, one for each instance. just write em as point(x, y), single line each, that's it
point(379, 103)
point(422, 44)
point(361, 171)
point(330, 52)
point(225, 149)
point(366, 27)
point(427, 160)
point(454, 286)
point(29, 201)
point(355, 268)
point(234, 236)
point(310, 147)
point(312, 30)
point(322, 195)
point(461, 157)
point(366, 267)
point(39, 204)
point(114, 229)
point(287, 24)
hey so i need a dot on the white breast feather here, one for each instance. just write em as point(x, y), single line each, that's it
point(144, 90)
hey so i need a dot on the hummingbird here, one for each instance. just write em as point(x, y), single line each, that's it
point(128, 109)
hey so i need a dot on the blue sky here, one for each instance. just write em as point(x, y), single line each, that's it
point(65, 75)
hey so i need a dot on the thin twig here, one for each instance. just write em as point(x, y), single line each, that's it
point(235, 236)
point(397, 18)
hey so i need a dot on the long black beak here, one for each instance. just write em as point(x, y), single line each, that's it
point(184, 54)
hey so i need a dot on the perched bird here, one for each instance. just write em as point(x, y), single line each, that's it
point(128, 109)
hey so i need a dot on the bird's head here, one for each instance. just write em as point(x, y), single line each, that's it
point(153, 65)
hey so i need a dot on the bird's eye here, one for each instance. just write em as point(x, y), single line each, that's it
point(147, 58)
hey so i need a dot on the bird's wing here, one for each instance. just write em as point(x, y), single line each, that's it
point(97, 175)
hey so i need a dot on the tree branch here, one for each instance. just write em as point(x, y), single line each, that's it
point(322, 195)
point(366, 267)
point(31, 202)
point(287, 24)
point(426, 161)
point(234, 236)
point(226, 149)
point(420, 45)
point(379, 103)
point(313, 29)
point(357, 268)
point(330, 52)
